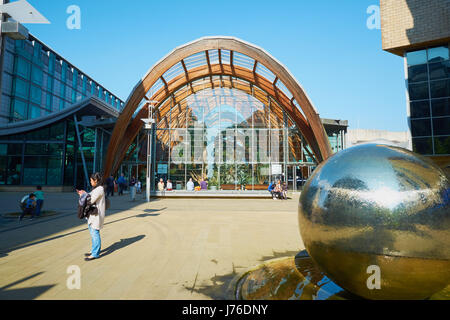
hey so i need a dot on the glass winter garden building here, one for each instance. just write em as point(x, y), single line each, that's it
point(227, 112)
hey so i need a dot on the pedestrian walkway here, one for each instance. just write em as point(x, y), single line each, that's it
point(168, 249)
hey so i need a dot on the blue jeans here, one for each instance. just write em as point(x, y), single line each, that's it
point(39, 203)
point(96, 242)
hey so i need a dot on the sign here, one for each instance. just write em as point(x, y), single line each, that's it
point(162, 168)
point(276, 169)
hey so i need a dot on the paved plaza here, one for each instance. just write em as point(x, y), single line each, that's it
point(168, 249)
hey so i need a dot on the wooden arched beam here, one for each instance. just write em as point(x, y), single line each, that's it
point(218, 43)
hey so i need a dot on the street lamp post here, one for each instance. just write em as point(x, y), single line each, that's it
point(148, 126)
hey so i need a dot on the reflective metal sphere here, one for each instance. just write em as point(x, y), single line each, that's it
point(377, 205)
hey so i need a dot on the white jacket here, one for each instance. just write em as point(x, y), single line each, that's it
point(98, 197)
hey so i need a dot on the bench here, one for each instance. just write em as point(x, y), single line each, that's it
point(248, 187)
point(228, 187)
point(259, 187)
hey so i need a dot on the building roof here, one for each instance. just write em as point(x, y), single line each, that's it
point(91, 106)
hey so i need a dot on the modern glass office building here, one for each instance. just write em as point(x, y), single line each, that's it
point(37, 81)
point(55, 121)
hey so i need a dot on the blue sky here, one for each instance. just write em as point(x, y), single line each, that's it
point(325, 44)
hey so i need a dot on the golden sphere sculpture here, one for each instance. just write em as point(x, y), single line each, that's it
point(376, 220)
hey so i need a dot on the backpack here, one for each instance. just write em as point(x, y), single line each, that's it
point(87, 209)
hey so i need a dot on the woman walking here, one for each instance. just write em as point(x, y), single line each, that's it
point(95, 222)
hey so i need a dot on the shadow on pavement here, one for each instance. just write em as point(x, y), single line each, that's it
point(120, 244)
point(28, 293)
point(220, 289)
point(65, 222)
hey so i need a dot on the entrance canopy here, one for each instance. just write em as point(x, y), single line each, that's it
point(214, 63)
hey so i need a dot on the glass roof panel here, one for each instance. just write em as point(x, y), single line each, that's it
point(174, 71)
point(196, 60)
point(266, 73)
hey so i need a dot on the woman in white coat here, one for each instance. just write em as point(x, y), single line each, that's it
point(95, 222)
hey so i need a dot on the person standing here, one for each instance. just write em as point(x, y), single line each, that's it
point(190, 185)
point(169, 186)
point(284, 188)
point(133, 188)
point(138, 186)
point(121, 181)
point(161, 186)
point(110, 186)
point(95, 222)
point(39, 200)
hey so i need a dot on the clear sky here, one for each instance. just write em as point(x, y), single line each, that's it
point(324, 43)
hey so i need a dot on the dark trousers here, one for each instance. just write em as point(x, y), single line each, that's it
point(110, 191)
point(37, 210)
point(27, 211)
point(278, 195)
point(121, 187)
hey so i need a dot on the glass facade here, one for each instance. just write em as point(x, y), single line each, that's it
point(233, 138)
point(429, 100)
point(36, 81)
point(51, 155)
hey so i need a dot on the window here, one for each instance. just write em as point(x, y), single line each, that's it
point(23, 68)
point(54, 171)
point(36, 75)
point(19, 109)
point(421, 128)
point(440, 88)
point(440, 107)
point(442, 145)
point(35, 169)
point(420, 109)
point(439, 70)
point(48, 101)
point(418, 73)
point(15, 149)
point(41, 134)
point(21, 88)
point(49, 83)
point(35, 112)
point(3, 149)
point(36, 94)
point(416, 57)
point(418, 91)
point(441, 126)
point(438, 54)
point(14, 170)
point(36, 149)
point(422, 145)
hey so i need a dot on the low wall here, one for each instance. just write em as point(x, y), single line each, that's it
point(25, 189)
